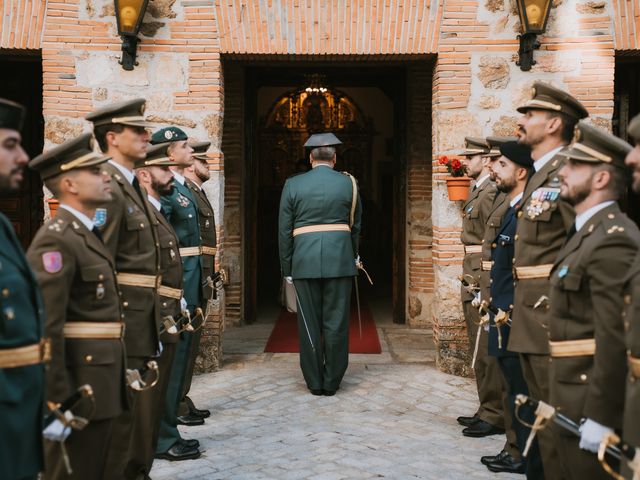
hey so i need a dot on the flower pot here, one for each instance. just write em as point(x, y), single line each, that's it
point(458, 187)
point(53, 206)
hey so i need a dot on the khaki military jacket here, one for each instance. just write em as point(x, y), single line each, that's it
point(586, 303)
point(171, 270)
point(75, 272)
point(207, 234)
point(129, 228)
point(499, 207)
point(475, 214)
point(631, 425)
point(543, 223)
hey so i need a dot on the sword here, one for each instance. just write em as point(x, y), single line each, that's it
point(304, 320)
point(360, 266)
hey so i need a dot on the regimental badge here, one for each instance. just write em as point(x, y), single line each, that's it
point(100, 217)
point(168, 134)
point(172, 254)
point(182, 200)
point(206, 224)
point(100, 291)
point(52, 262)
point(563, 271)
point(542, 199)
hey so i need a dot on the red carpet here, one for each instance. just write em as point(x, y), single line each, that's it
point(284, 337)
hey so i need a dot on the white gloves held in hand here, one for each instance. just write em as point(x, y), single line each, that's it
point(591, 434)
point(56, 431)
point(289, 280)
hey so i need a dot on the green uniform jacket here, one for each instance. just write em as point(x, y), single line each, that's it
point(586, 301)
point(631, 426)
point(499, 207)
point(320, 196)
point(130, 234)
point(83, 289)
point(541, 231)
point(21, 388)
point(182, 213)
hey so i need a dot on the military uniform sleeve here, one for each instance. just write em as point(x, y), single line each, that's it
point(54, 266)
point(112, 227)
point(357, 226)
point(607, 271)
point(285, 229)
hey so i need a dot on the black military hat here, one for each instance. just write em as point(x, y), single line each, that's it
point(495, 142)
point(11, 114)
point(156, 156)
point(634, 129)
point(71, 155)
point(322, 140)
point(128, 112)
point(200, 150)
point(594, 145)
point(517, 153)
point(168, 134)
point(552, 99)
point(475, 146)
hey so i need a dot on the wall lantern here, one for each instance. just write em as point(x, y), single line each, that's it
point(533, 18)
point(129, 14)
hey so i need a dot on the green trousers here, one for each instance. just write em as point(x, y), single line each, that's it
point(323, 326)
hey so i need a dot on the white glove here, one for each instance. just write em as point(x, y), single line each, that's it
point(358, 261)
point(289, 280)
point(183, 304)
point(56, 431)
point(591, 434)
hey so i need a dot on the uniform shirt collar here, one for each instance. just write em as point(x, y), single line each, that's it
point(481, 180)
point(585, 216)
point(322, 165)
point(154, 202)
point(544, 159)
point(86, 221)
point(128, 174)
point(516, 199)
point(179, 178)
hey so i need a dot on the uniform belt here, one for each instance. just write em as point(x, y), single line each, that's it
point(634, 366)
point(23, 356)
point(93, 330)
point(208, 250)
point(165, 291)
point(190, 251)
point(573, 348)
point(138, 280)
point(472, 249)
point(486, 265)
point(326, 227)
point(539, 271)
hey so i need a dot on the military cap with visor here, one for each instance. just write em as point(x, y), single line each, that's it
point(594, 145)
point(322, 140)
point(156, 156)
point(11, 115)
point(200, 150)
point(552, 99)
point(127, 112)
point(71, 155)
point(494, 144)
point(634, 129)
point(518, 153)
point(168, 134)
point(475, 146)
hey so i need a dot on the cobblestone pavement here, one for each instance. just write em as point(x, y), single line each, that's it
point(392, 418)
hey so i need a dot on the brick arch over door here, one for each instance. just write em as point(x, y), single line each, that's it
point(328, 27)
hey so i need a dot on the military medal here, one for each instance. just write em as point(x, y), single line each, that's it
point(206, 224)
point(182, 200)
point(172, 254)
point(542, 199)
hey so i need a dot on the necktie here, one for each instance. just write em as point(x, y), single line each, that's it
point(97, 233)
point(136, 185)
point(572, 231)
point(163, 212)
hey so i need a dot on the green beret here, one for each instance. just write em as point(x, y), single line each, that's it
point(71, 155)
point(168, 134)
point(11, 115)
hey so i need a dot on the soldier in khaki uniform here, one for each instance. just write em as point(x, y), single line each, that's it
point(84, 324)
point(129, 229)
point(489, 418)
point(155, 177)
point(586, 334)
point(544, 219)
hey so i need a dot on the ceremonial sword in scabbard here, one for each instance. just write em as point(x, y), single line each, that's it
point(304, 319)
point(360, 266)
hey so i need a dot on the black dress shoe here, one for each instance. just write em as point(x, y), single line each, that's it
point(328, 393)
point(487, 459)
point(193, 410)
point(190, 420)
point(316, 391)
point(507, 464)
point(192, 442)
point(179, 452)
point(481, 429)
point(468, 421)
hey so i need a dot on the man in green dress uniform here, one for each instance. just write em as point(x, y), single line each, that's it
point(319, 226)
point(22, 351)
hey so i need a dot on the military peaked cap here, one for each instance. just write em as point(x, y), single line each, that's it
point(634, 129)
point(156, 156)
point(517, 153)
point(11, 114)
point(200, 150)
point(495, 142)
point(128, 112)
point(475, 146)
point(594, 145)
point(168, 134)
point(552, 99)
point(322, 140)
point(71, 155)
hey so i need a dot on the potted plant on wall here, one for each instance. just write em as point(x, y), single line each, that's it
point(53, 207)
point(457, 181)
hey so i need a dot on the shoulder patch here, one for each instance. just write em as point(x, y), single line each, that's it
point(100, 217)
point(52, 261)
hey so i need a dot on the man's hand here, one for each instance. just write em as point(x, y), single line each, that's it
point(56, 431)
point(591, 434)
point(289, 280)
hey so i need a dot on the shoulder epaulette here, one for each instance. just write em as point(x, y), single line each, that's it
point(57, 225)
